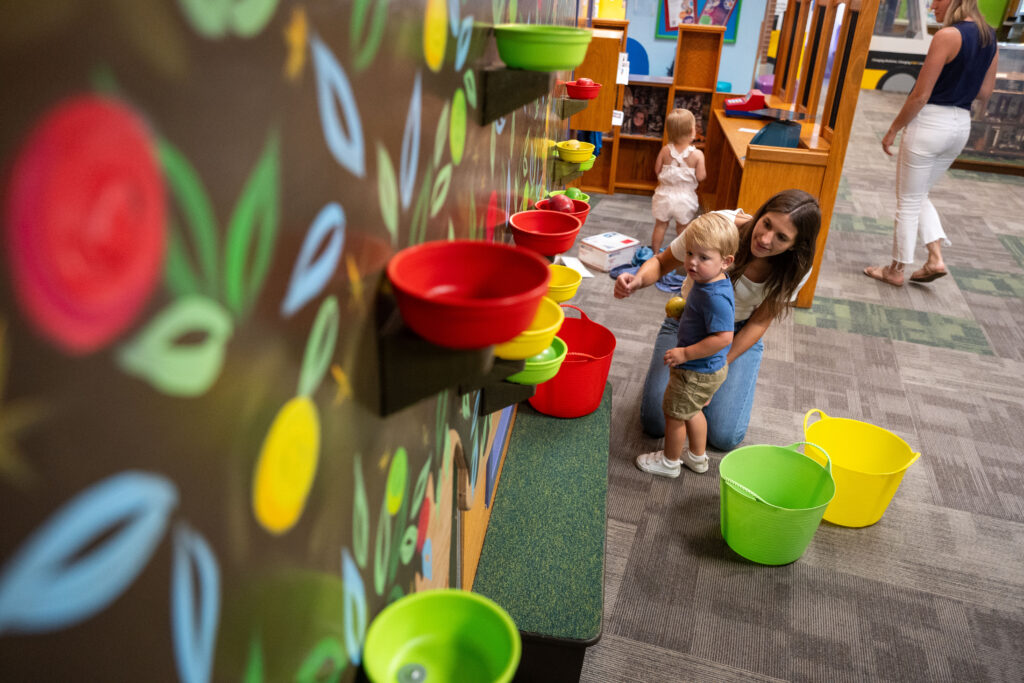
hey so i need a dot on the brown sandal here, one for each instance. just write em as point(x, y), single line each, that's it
point(926, 274)
point(885, 274)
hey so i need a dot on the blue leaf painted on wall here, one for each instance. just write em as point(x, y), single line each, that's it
point(310, 276)
point(355, 608)
point(411, 144)
point(462, 49)
point(50, 584)
point(194, 621)
point(344, 136)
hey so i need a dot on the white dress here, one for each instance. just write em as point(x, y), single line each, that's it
point(675, 198)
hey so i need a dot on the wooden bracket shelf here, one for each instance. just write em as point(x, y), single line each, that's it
point(412, 369)
point(562, 172)
point(496, 393)
point(503, 90)
point(566, 106)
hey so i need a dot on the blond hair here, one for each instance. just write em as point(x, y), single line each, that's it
point(713, 231)
point(967, 10)
point(680, 124)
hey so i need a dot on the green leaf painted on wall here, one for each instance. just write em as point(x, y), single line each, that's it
point(387, 192)
point(360, 515)
point(440, 192)
point(420, 211)
point(174, 368)
point(365, 40)
point(196, 234)
point(469, 83)
point(441, 136)
point(252, 230)
point(324, 664)
point(319, 347)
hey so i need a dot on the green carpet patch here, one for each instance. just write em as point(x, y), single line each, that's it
point(917, 327)
point(1014, 245)
point(848, 222)
point(988, 282)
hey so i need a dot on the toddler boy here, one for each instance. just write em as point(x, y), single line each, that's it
point(705, 333)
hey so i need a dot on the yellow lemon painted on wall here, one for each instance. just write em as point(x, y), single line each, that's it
point(286, 466)
point(435, 33)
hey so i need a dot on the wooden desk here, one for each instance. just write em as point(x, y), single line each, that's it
point(744, 175)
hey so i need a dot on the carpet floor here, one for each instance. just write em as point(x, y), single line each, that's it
point(932, 592)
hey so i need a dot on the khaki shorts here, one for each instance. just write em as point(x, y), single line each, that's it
point(689, 390)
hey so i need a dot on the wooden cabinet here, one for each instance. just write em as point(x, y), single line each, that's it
point(601, 65)
point(646, 102)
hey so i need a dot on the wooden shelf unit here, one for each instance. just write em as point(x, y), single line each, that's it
point(630, 166)
point(601, 64)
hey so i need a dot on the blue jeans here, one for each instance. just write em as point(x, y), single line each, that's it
point(728, 414)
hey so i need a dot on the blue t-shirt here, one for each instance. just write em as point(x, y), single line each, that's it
point(710, 308)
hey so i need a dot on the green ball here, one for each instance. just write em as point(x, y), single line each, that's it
point(573, 193)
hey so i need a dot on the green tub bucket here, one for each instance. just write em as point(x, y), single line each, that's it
point(442, 635)
point(773, 498)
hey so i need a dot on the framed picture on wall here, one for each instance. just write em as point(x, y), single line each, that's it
point(671, 13)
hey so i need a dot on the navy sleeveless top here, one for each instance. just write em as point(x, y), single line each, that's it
point(961, 79)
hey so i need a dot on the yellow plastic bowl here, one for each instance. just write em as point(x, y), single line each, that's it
point(537, 337)
point(576, 156)
point(564, 283)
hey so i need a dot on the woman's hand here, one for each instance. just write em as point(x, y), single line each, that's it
point(626, 284)
point(676, 356)
point(888, 140)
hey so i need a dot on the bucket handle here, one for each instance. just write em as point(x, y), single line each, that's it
point(828, 460)
point(583, 316)
point(741, 489)
point(808, 416)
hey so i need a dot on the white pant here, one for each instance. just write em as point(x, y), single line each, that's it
point(930, 144)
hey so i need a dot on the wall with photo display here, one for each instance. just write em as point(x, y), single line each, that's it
point(199, 201)
point(646, 21)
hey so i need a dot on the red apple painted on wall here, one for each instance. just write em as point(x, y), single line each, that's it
point(86, 222)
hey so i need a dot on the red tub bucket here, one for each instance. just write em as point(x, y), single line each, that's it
point(579, 385)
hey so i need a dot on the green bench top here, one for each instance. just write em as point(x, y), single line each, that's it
point(543, 555)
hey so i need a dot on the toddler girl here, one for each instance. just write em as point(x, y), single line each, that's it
point(679, 168)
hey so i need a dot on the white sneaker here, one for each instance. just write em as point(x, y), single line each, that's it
point(657, 463)
point(697, 463)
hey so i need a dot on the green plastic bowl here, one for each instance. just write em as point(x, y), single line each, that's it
point(442, 635)
point(541, 47)
point(588, 164)
point(543, 366)
point(584, 197)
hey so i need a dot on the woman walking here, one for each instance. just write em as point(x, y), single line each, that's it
point(960, 67)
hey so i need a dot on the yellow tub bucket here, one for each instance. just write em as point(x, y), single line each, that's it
point(868, 464)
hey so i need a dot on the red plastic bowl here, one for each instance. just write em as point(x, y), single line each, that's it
point(546, 232)
point(580, 208)
point(468, 294)
point(582, 92)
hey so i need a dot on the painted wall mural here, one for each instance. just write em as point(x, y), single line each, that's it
point(199, 201)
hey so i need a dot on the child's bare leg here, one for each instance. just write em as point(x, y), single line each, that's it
point(675, 438)
point(697, 430)
point(658, 235)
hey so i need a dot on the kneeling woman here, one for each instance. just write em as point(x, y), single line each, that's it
point(774, 260)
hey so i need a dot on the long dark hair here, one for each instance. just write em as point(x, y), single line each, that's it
point(789, 267)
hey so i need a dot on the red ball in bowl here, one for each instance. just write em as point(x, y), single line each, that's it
point(580, 208)
point(467, 294)
point(546, 232)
